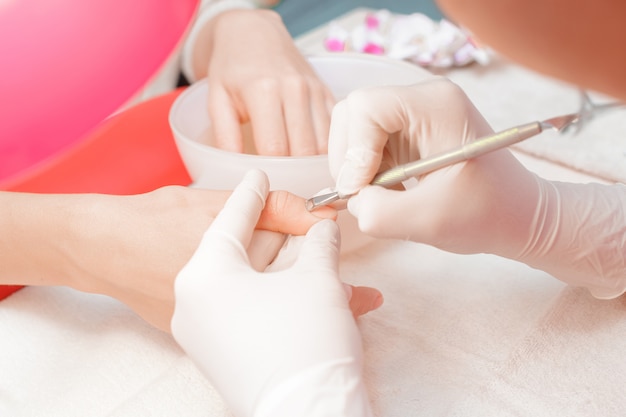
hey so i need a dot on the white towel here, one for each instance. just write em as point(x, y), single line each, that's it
point(508, 95)
point(66, 353)
point(458, 335)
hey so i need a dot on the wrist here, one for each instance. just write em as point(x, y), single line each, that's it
point(579, 236)
point(198, 43)
point(39, 238)
point(85, 242)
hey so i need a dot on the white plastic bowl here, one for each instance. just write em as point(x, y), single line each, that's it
point(213, 168)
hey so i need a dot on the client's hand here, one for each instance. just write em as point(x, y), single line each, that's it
point(132, 247)
point(279, 343)
point(257, 75)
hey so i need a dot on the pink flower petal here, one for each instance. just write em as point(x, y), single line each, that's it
point(374, 49)
point(334, 45)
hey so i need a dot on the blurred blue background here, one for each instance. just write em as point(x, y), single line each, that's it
point(303, 15)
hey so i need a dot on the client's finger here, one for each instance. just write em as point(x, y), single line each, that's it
point(364, 300)
point(230, 233)
point(264, 247)
point(225, 122)
point(320, 248)
point(285, 212)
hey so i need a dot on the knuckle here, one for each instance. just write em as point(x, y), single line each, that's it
point(273, 148)
point(265, 85)
point(278, 204)
point(297, 86)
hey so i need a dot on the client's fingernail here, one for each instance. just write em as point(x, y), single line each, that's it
point(325, 212)
point(378, 301)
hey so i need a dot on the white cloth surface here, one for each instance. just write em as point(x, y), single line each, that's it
point(508, 95)
point(458, 335)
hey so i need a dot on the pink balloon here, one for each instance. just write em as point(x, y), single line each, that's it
point(68, 64)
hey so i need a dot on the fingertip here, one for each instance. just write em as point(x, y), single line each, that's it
point(243, 208)
point(354, 205)
point(364, 300)
point(257, 181)
point(325, 212)
point(325, 227)
point(285, 212)
point(367, 195)
point(323, 242)
point(378, 301)
point(358, 168)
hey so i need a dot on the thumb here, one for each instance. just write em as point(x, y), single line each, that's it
point(226, 240)
point(353, 158)
point(320, 249)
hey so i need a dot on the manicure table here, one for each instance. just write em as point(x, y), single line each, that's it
point(458, 335)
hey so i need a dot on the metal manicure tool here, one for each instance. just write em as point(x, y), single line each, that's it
point(470, 150)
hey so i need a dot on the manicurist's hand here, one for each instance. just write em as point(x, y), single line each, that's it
point(461, 208)
point(276, 343)
point(489, 204)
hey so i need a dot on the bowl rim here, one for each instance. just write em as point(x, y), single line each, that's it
point(203, 83)
point(180, 137)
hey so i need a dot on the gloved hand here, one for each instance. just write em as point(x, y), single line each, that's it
point(280, 343)
point(490, 204)
point(259, 76)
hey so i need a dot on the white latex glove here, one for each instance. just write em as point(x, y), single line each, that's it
point(280, 343)
point(490, 204)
